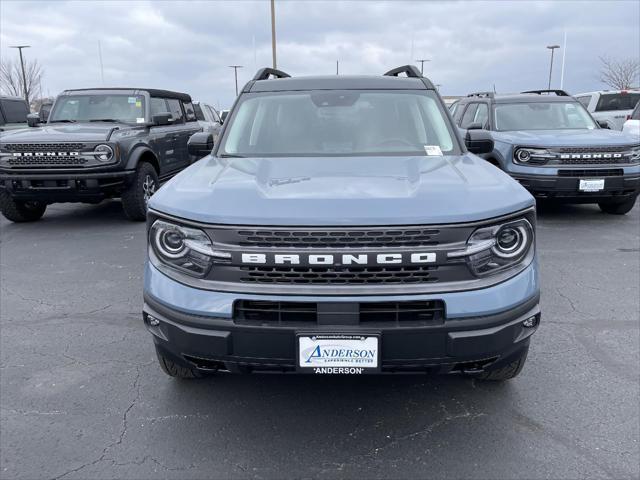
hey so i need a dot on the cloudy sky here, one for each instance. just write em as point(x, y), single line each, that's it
point(188, 45)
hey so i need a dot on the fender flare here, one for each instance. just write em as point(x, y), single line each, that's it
point(136, 155)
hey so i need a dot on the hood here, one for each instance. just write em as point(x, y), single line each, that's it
point(599, 137)
point(341, 191)
point(65, 132)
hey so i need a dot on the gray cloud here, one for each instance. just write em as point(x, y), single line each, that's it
point(187, 45)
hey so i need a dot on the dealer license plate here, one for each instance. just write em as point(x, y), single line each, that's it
point(591, 185)
point(338, 354)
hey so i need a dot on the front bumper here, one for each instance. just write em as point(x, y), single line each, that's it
point(65, 187)
point(566, 188)
point(483, 329)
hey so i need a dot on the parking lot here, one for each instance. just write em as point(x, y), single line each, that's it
point(83, 397)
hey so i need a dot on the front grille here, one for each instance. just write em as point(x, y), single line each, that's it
point(413, 313)
point(601, 149)
point(55, 161)
point(339, 275)
point(605, 172)
point(46, 161)
point(594, 161)
point(360, 238)
point(43, 147)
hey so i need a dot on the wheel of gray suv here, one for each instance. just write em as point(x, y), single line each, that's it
point(136, 197)
point(617, 208)
point(506, 372)
point(20, 211)
point(174, 370)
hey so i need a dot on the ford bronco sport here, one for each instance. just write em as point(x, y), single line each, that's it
point(547, 141)
point(96, 144)
point(341, 226)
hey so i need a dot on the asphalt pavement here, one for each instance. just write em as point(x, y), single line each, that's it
point(82, 396)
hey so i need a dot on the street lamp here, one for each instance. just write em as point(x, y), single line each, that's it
point(422, 64)
point(24, 77)
point(235, 72)
point(552, 48)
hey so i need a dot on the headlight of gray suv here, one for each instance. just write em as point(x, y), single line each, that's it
point(532, 156)
point(185, 249)
point(635, 154)
point(498, 247)
point(104, 153)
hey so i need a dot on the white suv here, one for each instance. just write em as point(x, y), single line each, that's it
point(611, 106)
point(632, 125)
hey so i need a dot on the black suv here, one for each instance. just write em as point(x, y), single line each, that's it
point(97, 143)
point(13, 113)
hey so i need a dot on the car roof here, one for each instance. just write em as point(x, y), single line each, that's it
point(154, 92)
point(532, 98)
point(627, 90)
point(337, 82)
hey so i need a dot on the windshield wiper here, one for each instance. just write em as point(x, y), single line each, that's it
point(64, 120)
point(231, 155)
point(104, 120)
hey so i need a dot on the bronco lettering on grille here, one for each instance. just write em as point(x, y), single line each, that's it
point(346, 259)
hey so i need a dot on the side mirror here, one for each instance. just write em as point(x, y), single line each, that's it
point(478, 141)
point(475, 126)
point(604, 124)
point(200, 144)
point(33, 119)
point(43, 115)
point(162, 118)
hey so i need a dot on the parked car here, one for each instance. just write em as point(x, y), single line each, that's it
point(97, 143)
point(207, 118)
point(611, 106)
point(632, 126)
point(547, 141)
point(13, 113)
point(341, 226)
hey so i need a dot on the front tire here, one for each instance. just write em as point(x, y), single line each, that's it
point(175, 370)
point(136, 197)
point(506, 372)
point(20, 211)
point(617, 207)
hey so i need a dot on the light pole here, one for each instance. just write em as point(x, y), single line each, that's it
point(422, 64)
point(552, 48)
point(273, 33)
point(24, 77)
point(235, 72)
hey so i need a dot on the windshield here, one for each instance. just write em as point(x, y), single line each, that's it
point(338, 123)
point(542, 116)
point(87, 108)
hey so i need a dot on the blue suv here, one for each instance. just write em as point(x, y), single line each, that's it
point(340, 225)
point(548, 142)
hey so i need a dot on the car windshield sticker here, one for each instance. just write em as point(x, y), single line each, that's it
point(139, 103)
point(433, 150)
point(139, 120)
point(132, 99)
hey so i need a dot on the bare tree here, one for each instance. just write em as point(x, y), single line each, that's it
point(620, 74)
point(11, 82)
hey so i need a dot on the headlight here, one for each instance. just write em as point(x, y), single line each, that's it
point(105, 153)
point(186, 249)
point(497, 248)
point(635, 154)
point(532, 156)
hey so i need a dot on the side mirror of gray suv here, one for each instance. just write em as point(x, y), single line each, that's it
point(162, 118)
point(478, 141)
point(200, 144)
point(33, 119)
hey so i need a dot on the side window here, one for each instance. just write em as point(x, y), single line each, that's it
point(158, 105)
point(584, 100)
point(482, 115)
point(198, 112)
point(469, 115)
point(189, 111)
point(176, 110)
point(16, 111)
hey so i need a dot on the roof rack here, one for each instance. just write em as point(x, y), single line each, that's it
point(482, 94)
point(265, 73)
point(559, 93)
point(410, 70)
